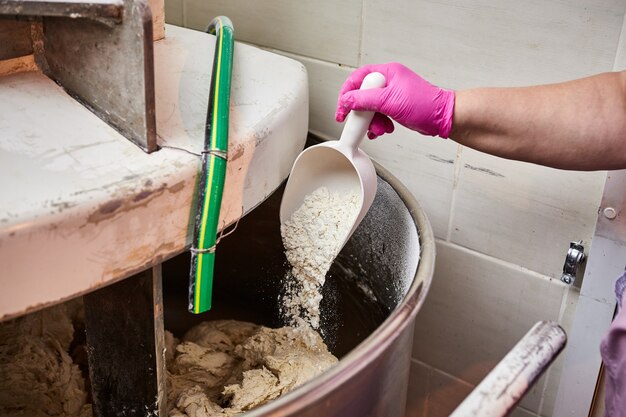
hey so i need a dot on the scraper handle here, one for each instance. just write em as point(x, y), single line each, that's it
point(358, 122)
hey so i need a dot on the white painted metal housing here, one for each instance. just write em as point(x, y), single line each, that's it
point(82, 207)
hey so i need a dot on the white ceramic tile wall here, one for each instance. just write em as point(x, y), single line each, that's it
point(174, 12)
point(425, 165)
point(464, 44)
point(477, 310)
point(521, 412)
point(523, 213)
point(324, 29)
point(433, 393)
point(325, 80)
point(503, 227)
point(620, 59)
point(566, 317)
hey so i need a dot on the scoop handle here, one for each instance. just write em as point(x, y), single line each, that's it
point(358, 122)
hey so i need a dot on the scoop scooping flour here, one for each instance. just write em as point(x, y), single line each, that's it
point(312, 238)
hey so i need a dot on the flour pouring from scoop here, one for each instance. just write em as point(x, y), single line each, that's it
point(331, 187)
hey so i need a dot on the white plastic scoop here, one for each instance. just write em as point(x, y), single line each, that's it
point(339, 165)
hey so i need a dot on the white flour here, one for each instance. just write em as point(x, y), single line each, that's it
point(312, 238)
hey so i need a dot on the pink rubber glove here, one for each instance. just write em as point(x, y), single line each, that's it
point(408, 99)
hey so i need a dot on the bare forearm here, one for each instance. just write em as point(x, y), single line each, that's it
point(579, 124)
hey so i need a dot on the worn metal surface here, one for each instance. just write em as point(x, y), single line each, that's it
point(93, 208)
point(14, 38)
point(499, 392)
point(101, 52)
point(109, 68)
point(125, 347)
point(92, 9)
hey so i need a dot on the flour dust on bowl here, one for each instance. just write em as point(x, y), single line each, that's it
point(372, 293)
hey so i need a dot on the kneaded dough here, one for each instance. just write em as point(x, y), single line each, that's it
point(219, 369)
point(37, 375)
point(223, 368)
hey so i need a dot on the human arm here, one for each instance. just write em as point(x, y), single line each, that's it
point(579, 124)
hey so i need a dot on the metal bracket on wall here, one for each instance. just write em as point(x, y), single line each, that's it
point(595, 305)
point(101, 52)
point(573, 259)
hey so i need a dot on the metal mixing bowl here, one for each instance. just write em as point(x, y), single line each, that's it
point(371, 296)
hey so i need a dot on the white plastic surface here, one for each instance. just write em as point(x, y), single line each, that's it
point(81, 206)
point(338, 165)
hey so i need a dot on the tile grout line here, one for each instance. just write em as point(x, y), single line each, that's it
point(564, 302)
point(455, 186)
point(462, 382)
point(447, 375)
point(359, 58)
point(549, 371)
point(620, 41)
point(499, 261)
point(295, 56)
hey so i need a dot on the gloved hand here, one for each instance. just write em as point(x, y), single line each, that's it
point(407, 98)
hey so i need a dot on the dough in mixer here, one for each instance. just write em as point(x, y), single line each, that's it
point(224, 368)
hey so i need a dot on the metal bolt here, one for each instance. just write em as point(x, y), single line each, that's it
point(575, 256)
point(609, 213)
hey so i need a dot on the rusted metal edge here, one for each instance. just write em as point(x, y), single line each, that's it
point(95, 9)
point(150, 92)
